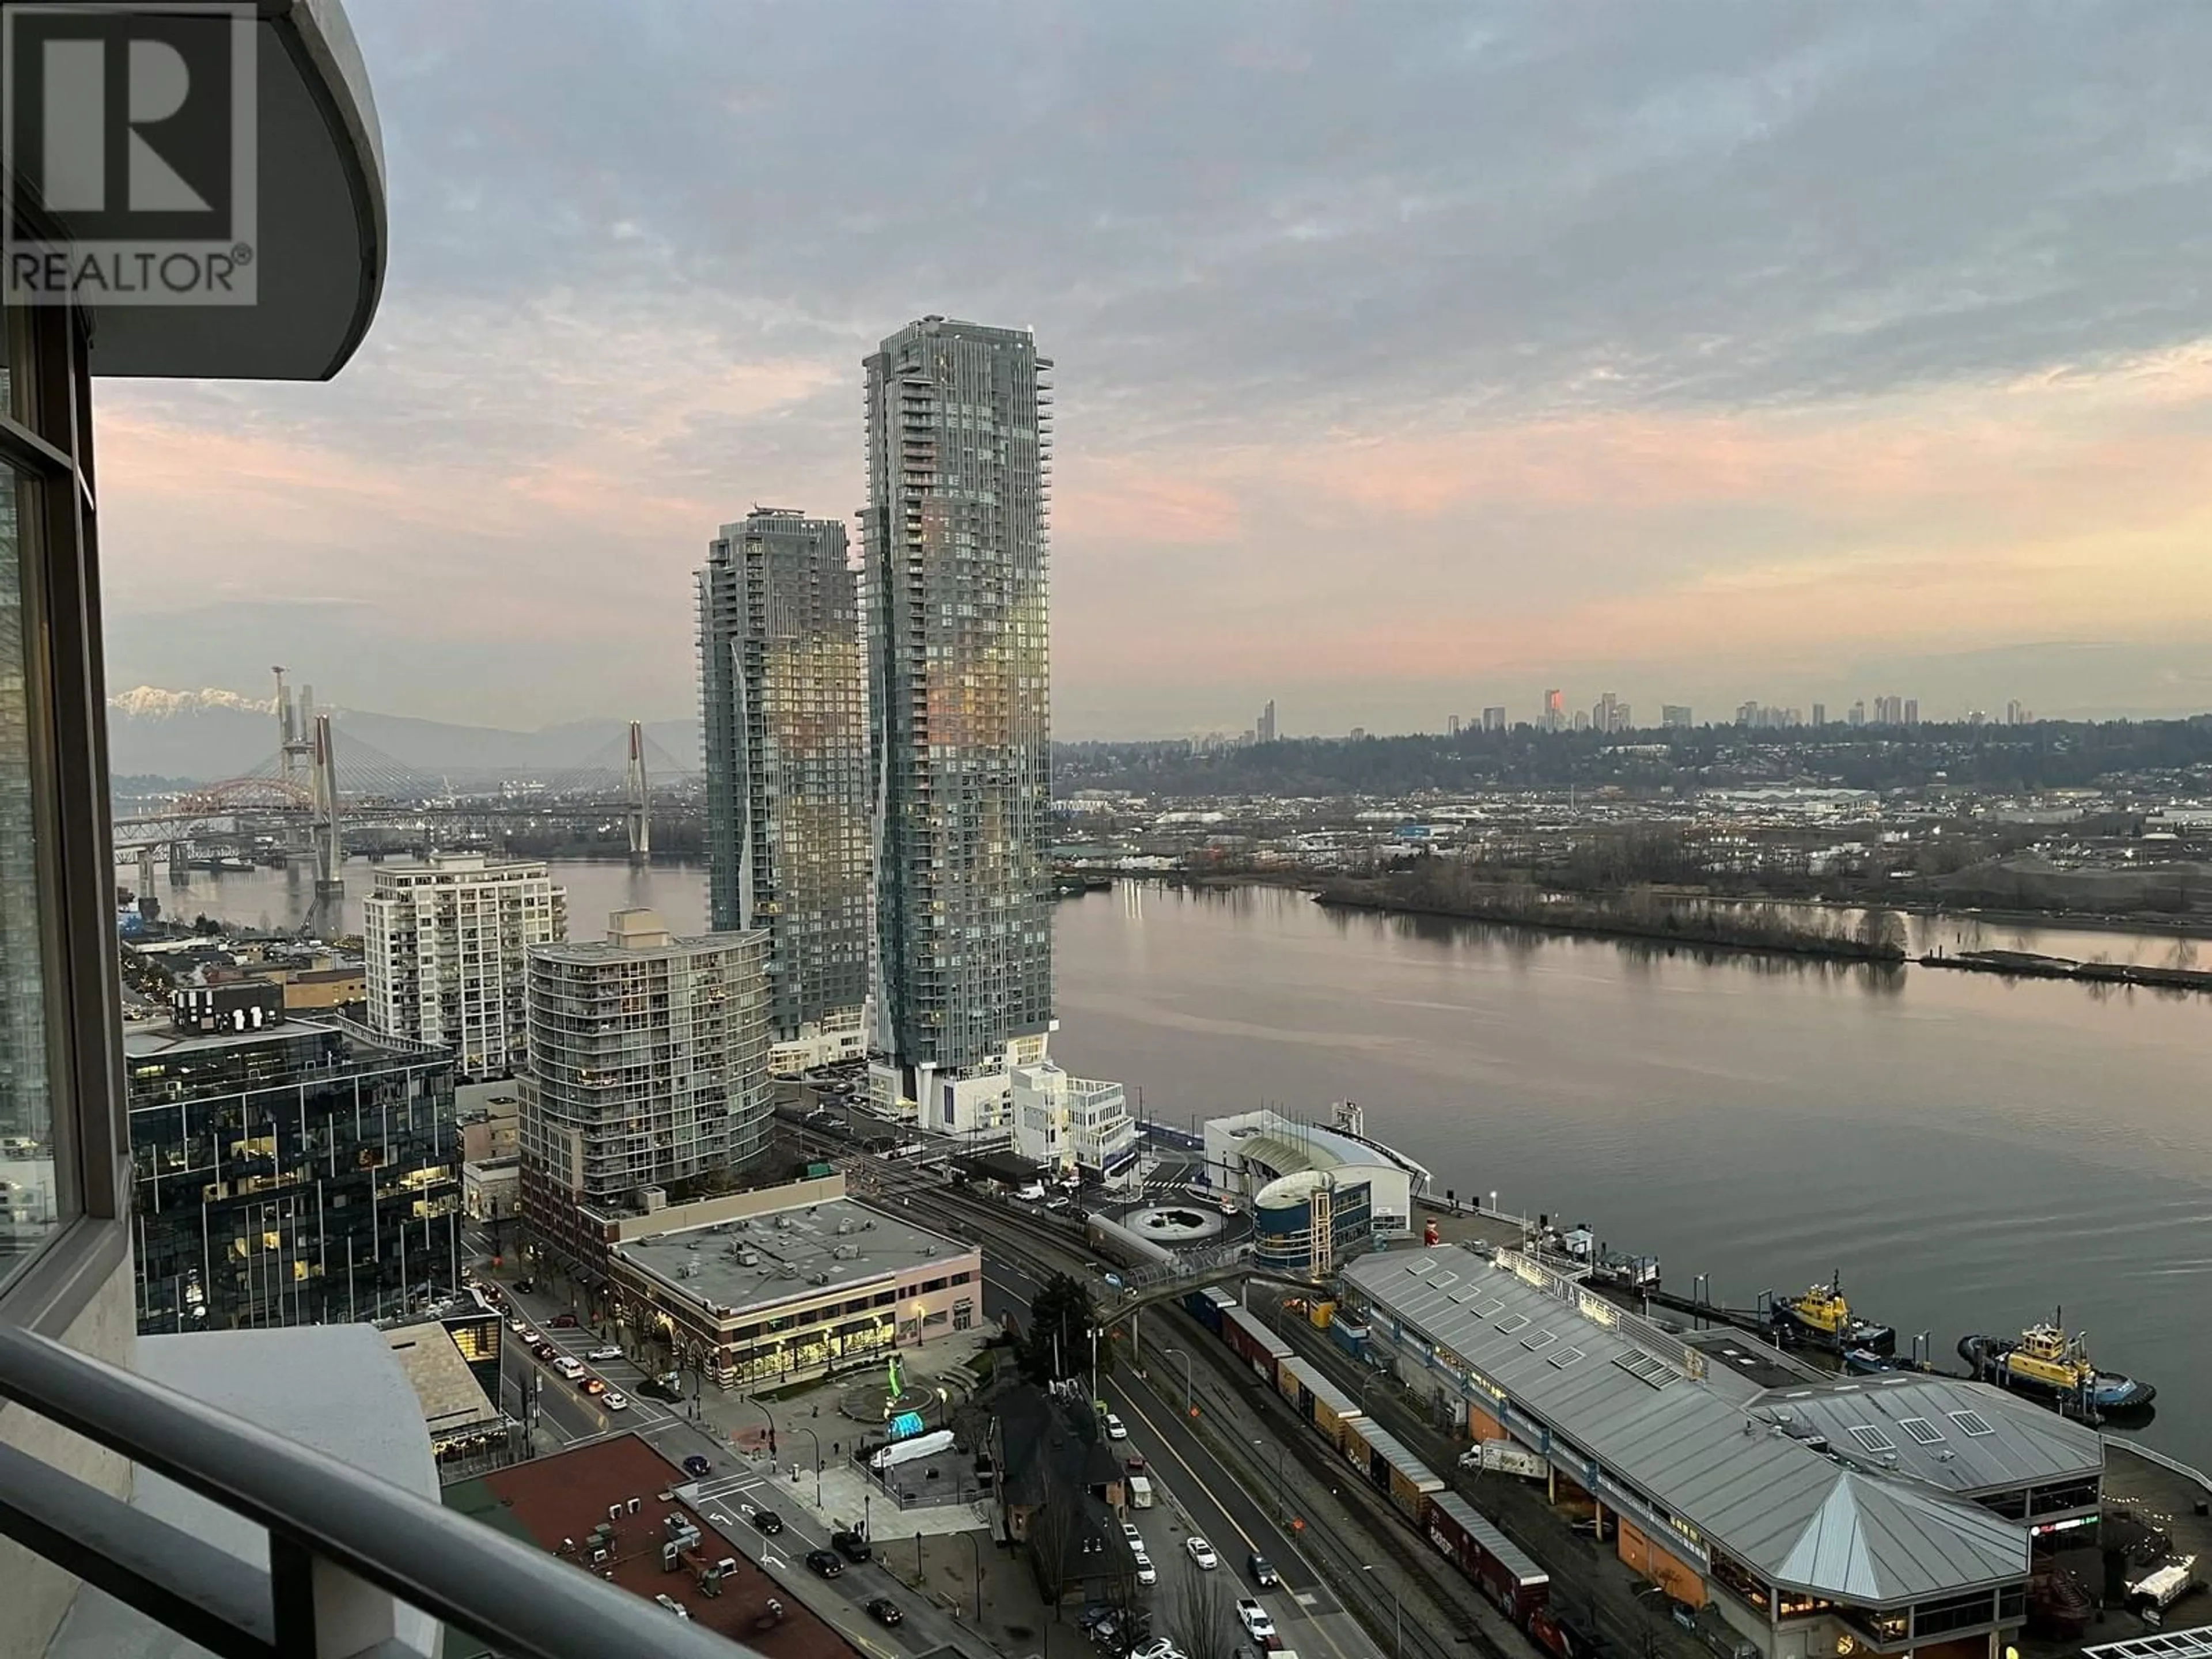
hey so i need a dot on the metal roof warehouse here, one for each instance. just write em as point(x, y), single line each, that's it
point(1895, 1510)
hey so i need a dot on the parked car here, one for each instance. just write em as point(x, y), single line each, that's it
point(1262, 1570)
point(1147, 1572)
point(1116, 1428)
point(824, 1563)
point(767, 1522)
point(1136, 1539)
point(1134, 1463)
point(1202, 1552)
point(697, 1466)
point(850, 1545)
point(599, 1356)
point(884, 1611)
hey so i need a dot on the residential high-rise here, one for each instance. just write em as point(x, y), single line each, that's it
point(1265, 730)
point(786, 725)
point(648, 1069)
point(1912, 711)
point(1582, 720)
point(954, 538)
point(1820, 713)
point(286, 1171)
point(1493, 717)
point(1451, 725)
point(1675, 716)
point(447, 942)
point(1555, 711)
point(1857, 716)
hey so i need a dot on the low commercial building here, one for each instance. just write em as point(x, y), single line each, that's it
point(783, 1284)
point(601, 1507)
point(1245, 1153)
point(1303, 1224)
point(1897, 1514)
point(1060, 1489)
point(467, 1431)
point(492, 1190)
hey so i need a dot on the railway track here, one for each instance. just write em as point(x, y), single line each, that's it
point(1338, 1554)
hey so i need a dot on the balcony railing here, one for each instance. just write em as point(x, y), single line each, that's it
point(342, 1545)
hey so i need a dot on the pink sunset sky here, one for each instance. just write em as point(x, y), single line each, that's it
point(1410, 359)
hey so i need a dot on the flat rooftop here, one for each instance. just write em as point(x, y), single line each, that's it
point(550, 1500)
point(793, 1252)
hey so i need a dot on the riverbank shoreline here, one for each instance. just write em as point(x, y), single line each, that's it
point(1848, 952)
point(2020, 964)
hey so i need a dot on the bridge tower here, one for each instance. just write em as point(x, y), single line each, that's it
point(329, 842)
point(638, 786)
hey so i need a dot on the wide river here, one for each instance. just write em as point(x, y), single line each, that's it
point(1971, 1152)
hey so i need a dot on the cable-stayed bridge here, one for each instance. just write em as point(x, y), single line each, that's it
point(318, 783)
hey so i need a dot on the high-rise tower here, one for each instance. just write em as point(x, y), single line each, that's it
point(786, 737)
point(954, 543)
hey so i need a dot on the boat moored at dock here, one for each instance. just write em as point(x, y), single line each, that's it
point(1823, 1318)
point(2048, 1361)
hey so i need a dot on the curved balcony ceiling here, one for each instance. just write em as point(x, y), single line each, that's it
point(321, 240)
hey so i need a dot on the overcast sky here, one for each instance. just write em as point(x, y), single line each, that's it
point(1411, 357)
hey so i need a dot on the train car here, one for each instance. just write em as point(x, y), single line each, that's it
point(1253, 1342)
point(1315, 1399)
point(1108, 1238)
point(1205, 1306)
point(1505, 1572)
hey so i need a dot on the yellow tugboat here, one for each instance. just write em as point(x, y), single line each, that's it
point(1822, 1317)
point(2047, 1360)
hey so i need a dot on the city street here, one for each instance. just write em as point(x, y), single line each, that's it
point(740, 1482)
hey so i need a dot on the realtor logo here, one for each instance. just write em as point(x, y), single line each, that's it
point(129, 139)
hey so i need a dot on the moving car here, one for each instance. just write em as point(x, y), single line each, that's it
point(884, 1611)
point(1261, 1570)
point(562, 1322)
point(1031, 1193)
point(568, 1366)
point(697, 1466)
point(767, 1522)
point(595, 1385)
point(1255, 1618)
point(824, 1563)
point(600, 1356)
point(1202, 1552)
point(615, 1401)
point(1116, 1428)
point(850, 1545)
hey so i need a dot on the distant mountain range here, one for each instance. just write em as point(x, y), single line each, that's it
point(211, 734)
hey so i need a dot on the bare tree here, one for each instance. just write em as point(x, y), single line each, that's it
point(1051, 1531)
point(1201, 1610)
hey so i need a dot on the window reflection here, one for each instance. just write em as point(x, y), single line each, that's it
point(29, 1206)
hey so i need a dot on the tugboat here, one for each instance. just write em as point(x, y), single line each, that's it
point(2049, 1362)
point(1822, 1318)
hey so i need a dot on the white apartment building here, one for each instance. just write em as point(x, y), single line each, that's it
point(1067, 1122)
point(448, 946)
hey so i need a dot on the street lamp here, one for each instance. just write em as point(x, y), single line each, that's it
point(975, 1553)
point(800, 1428)
point(1397, 1618)
point(1187, 1410)
point(1282, 1506)
point(770, 1418)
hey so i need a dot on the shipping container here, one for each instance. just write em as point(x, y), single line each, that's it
point(1387, 1462)
point(1350, 1335)
point(1205, 1306)
point(1488, 1557)
point(1253, 1342)
point(1318, 1401)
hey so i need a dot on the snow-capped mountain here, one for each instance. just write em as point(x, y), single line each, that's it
point(150, 702)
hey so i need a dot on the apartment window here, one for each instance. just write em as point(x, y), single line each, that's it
point(58, 1001)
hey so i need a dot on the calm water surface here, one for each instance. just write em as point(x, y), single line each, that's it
point(1972, 1152)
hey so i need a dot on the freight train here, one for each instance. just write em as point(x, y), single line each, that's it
point(1492, 1561)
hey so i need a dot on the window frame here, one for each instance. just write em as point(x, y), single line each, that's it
point(45, 438)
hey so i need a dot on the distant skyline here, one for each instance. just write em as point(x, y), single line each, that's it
point(1694, 352)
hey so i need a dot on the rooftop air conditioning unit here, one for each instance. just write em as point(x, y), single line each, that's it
point(749, 1258)
point(846, 1252)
